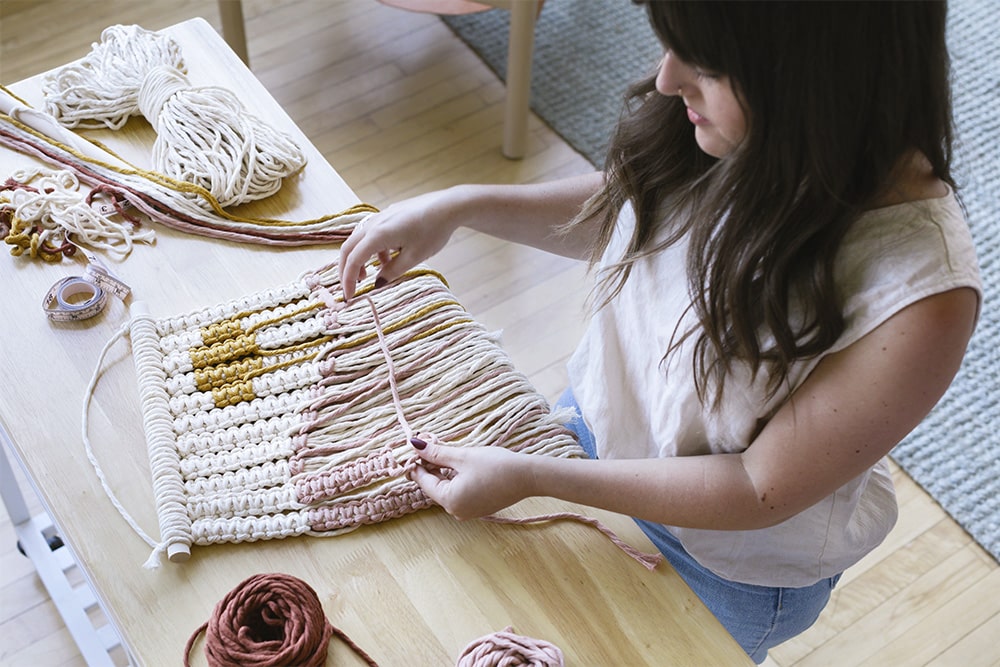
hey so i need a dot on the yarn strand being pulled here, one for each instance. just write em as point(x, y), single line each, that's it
point(649, 561)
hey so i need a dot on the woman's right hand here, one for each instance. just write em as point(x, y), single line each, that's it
point(403, 235)
point(410, 231)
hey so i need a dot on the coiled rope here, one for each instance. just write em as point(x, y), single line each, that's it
point(205, 136)
point(269, 620)
point(506, 649)
point(45, 214)
point(276, 620)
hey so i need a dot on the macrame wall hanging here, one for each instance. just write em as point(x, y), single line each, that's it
point(289, 412)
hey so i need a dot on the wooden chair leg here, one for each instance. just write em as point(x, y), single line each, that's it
point(233, 28)
point(519, 51)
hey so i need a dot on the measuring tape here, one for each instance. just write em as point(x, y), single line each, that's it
point(82, 297)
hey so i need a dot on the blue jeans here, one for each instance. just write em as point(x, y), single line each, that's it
point(758, 617)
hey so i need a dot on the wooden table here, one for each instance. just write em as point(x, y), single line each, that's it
point(413, 591)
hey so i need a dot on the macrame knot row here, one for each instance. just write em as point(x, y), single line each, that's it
point(205, 136)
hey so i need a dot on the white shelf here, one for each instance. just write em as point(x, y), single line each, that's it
point(77, 603)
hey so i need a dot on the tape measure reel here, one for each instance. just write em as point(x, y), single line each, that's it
point(74, 298)
point(81, 297)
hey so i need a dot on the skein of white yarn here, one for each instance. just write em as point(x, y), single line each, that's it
point(205, 136)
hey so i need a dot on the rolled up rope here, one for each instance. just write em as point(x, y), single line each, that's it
point(269, 620)
point(275, 620)
point(205, 136)
point(506, 649)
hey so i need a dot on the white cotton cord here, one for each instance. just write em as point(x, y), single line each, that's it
point(102, 88)
point(157, 423)
point(85, 428)
point(205, 136)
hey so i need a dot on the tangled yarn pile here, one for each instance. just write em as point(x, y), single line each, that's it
point(277, 414)
point(205, 136)
point(277, 620)
point(45, 213)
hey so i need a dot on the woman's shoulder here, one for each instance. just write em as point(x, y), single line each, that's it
point(913, 180)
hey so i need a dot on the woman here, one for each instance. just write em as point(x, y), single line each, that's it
point(786, 287)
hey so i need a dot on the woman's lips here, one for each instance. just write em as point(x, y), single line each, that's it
point(695, 117)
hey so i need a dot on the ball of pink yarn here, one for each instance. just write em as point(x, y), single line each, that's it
point(506, 649)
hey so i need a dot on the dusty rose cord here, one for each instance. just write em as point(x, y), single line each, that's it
point(506, 649)
point(649, 561)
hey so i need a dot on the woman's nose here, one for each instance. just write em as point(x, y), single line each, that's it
point(670, 77)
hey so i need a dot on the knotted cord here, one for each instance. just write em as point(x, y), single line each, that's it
point(205, 136)
point(44, 213)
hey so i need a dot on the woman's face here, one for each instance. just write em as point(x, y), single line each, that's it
point(712, 106)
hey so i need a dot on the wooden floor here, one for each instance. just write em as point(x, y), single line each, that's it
point(400, 106)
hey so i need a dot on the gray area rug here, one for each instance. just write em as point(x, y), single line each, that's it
point(586, 52)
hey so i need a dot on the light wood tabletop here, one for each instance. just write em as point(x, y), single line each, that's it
point(412, 591)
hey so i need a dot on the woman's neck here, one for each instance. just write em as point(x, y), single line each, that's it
point(912, 179)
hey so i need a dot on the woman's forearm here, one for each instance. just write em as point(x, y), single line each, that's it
point(530, 214)
point(708, 492)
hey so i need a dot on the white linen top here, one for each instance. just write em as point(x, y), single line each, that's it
point(638, 407)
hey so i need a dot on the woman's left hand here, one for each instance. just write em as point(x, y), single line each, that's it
point(471, 482)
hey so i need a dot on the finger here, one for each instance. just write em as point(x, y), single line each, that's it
point(395, 264)
point(431, 482)
point(353, 258)
point(350, 272)
point(440, 456)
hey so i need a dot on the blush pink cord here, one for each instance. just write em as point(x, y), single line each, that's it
point(506, 649)
point(649, 561)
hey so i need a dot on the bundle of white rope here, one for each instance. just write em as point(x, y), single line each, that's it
point(205, 136)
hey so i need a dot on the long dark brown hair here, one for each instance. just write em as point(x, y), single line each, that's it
point(836, 94)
